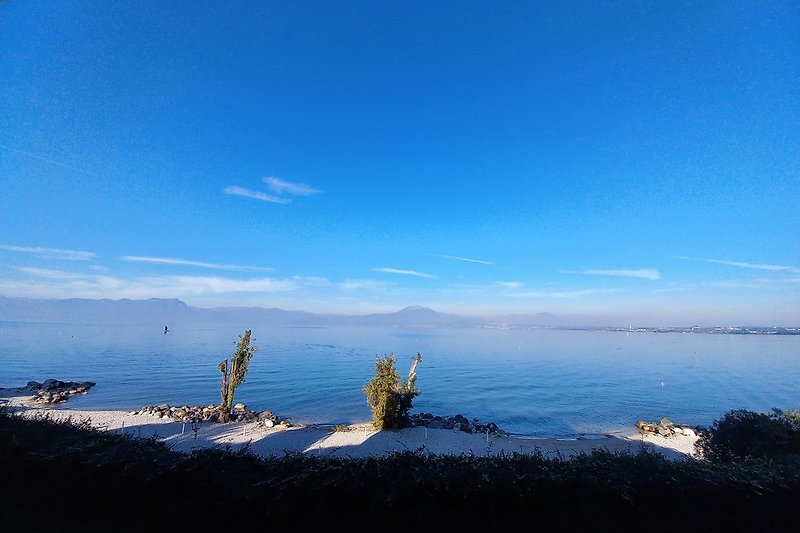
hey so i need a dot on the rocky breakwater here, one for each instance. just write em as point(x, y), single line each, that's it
point(53, 391)
point(210, 413)
point(665, 428)
point(455, 423)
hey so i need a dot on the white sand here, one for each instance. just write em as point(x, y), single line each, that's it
point(359, 440)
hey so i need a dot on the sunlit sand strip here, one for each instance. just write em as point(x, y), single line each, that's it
point(357, 440)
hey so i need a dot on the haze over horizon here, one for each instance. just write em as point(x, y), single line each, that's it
point(630, 162)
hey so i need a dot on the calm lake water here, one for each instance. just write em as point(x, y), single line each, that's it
point(530, 382)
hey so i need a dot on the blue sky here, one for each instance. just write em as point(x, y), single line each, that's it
point(627, 161)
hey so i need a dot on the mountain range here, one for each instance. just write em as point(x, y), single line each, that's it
point(173, 311)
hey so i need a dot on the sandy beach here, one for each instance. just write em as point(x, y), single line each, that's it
point(355, 440)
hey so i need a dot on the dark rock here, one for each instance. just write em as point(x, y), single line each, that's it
point(51, 384)
point(56, 391)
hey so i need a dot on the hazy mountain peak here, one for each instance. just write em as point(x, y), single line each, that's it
point(418, 309)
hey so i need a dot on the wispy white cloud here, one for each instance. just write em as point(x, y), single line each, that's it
point(510, 284)
point(466, 259)
point(363, 284)
point(281, 186)
point(187, 262)
point(49, 283)
point(641, 273)
point(312, 281)
point(51, 253)
point(213, 284)
point(754, 266)
point(389, 270)
point(256, 195)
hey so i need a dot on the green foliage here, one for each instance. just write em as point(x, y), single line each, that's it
point(108, 473)
point(741, 433)
point(388, 397)
point(231, 380)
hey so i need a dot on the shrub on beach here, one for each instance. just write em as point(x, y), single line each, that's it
point(741, 433)
point(235, 376)
point(388, 397)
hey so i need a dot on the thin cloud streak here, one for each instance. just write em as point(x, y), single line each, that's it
point(640, 273)
point(754, 266)
point(48, 273)
point(389, 270)
point(560, 294)
point(187, 262)
point(52, 253)
point(466, 259)
point(46, 160)
point(279, 186)
point(235, 190)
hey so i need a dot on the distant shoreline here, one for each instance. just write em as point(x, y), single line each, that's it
point(157, 311)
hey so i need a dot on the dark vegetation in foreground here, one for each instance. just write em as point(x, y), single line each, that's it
point(68, 477)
